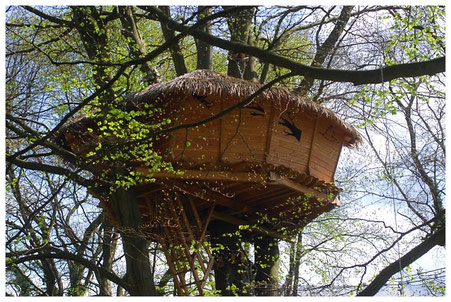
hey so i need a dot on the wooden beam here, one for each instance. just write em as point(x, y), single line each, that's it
point(209, 268)
point(277, 180)
point(290, 210)
point(195, 213)
point(238, 221)
point(256, 197)
point(274, 203)
point(180, 231)
point(177, 284)
point(149, 190)
point(241, 187)
point(193, 240)
point(205, 175)
point(207, 222)
point(206, 195)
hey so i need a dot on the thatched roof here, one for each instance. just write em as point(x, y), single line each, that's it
point(211, 83)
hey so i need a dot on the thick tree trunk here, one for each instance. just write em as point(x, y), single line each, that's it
point(136, 247)
point(204, 50)
point(266, 262)
point(250, 73)
point(239, 26)
point(176, 51)
point(326, 48)
point(230, 267)
point(437, 238)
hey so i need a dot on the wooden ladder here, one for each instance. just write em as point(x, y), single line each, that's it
point(183, 243)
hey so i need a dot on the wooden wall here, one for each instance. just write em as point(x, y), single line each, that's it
point(326, 148)
point(244, 132)
point(263, 131)
point(200, 143)
point(291, 139)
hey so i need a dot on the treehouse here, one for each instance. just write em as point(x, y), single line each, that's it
point(267, 165)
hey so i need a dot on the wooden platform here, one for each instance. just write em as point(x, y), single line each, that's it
point(270, 200)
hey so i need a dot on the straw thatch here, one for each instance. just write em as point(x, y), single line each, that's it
point(211, 83)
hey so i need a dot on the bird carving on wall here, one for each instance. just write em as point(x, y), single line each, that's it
point(294, 131)
point(202, 99)
point(257, 108)
point(330, 134)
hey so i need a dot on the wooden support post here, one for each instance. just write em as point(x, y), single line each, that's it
point(185, 248)
point(179, 232)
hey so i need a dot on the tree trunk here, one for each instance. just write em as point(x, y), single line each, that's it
point(94, 36)
point(266, 262)
point(231, 265)
point(437, 238)
point(50, 276)
point(250, 73)
point(108, 249)
point(136, 247)
point(239, 26)
point(137, 47)
point(296, 264)
point(288, 288)
point(326, 48)
point(292, 280)
point(175, 50)
point(204, 50)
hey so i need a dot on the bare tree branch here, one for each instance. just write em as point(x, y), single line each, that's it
point(47, 17)
point(52, 169)
point(326, 48)
point(57, 254)
point(436, 239)
point(357, 77)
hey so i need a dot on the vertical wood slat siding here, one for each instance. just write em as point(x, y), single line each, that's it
point(172, 110)
point(338, 158)
point(204, 139)
point(286, 150)
point(315, 130)
point(270, 127)
point(176, 115)
point(261, 137)
point(325, 150)
point(249, 143)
